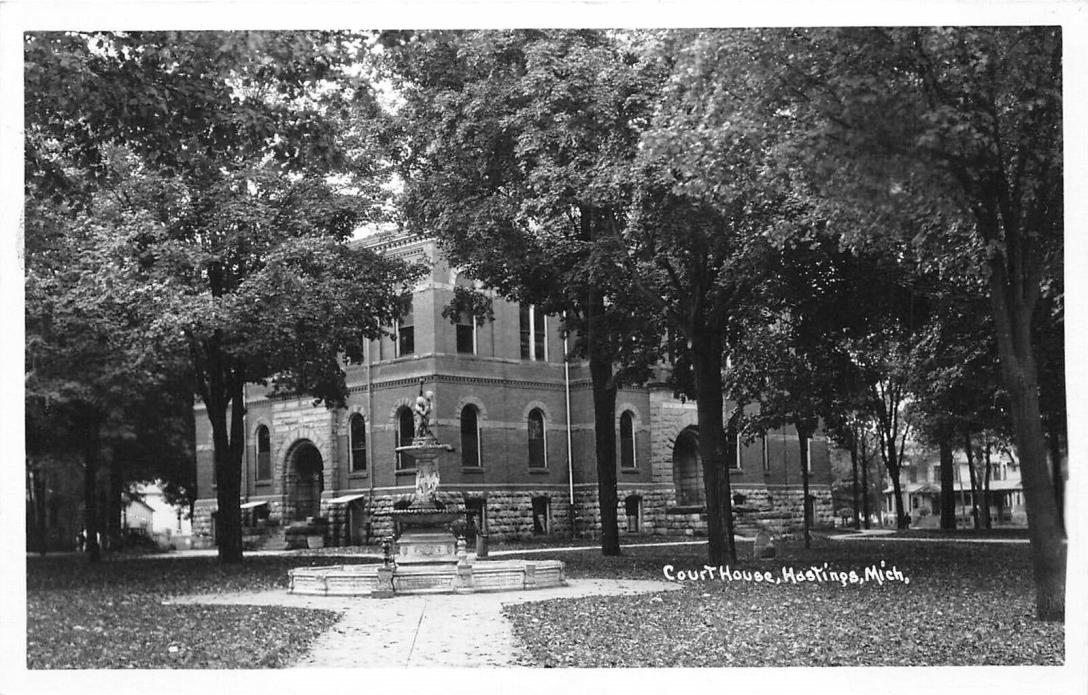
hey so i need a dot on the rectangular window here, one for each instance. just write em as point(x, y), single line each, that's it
point(937, 473)
point(526, 328)
point(540, 351)
point(533, 330)
point(541, 516)
point(476, 514)
point(632, 506)
point(466, 334)
point(406, 334)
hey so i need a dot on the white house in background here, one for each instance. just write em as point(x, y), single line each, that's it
point(163, 517)
point(921, 485)
point(137, 514)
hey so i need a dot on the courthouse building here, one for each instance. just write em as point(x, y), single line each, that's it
point(520, 421)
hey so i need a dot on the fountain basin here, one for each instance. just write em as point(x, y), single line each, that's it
point(462, 577)
point(426, 517)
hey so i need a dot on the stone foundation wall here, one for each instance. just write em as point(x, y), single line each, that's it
point(203, 509)
point(510, 512)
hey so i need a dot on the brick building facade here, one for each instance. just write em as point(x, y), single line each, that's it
point(520, 421)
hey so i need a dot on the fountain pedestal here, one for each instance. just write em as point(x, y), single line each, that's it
point(425, 535)
point(427, 557)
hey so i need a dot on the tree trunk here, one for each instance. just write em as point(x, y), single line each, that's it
point(116, 504)
point(866, 511)
point(1012, 293)
point(90, 488)
point(975, 487)
point(889, 433)
point(1056, 473)
point(902, 519)
point(948, 481)
point(987, 522)
point(228, 450)
point(803, 434)
point(35, 485)
point(601, 359)
point(854, 484)
point(706, 357)
point(604, 426)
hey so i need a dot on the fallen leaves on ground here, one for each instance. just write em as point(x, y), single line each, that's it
point(116, 614)
point(964, 605)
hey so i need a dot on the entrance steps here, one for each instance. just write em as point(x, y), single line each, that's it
point(267, 538)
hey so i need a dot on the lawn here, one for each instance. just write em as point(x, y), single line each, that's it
point(112, 615)
point(965, 604)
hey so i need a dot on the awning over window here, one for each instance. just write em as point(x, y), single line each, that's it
point(344, 499)
point(251, 505)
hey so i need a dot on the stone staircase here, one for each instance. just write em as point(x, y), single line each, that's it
point(268, 538)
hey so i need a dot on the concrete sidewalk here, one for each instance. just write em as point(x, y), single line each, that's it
point(886, 535)
point(448, 630)
point(370, 552)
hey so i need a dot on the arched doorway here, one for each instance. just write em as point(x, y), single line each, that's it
point(687, 469)
point(304, 481)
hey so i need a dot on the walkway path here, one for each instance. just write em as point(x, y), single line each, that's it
point(422, 630)
point(886, 535)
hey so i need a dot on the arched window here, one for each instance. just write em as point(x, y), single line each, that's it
point(470, 437)
point(405, 433)
point(357, 433)
point(264, 454)
point(538, 457)
point(627, 440)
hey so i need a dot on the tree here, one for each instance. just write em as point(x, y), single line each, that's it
point(966, 123)
point(245, 163)
point(518, 157)
point(709, 207)
point(91, 393)
point(791, 356)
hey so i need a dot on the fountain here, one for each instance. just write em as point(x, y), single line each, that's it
point(428, 558)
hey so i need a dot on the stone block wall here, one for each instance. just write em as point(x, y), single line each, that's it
point(510, 512)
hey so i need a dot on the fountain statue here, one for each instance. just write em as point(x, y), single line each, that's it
point(426, 557)
point(424, 525)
